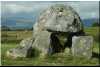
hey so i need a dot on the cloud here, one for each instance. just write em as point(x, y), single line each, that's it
point(85, 9)
point(16, 8)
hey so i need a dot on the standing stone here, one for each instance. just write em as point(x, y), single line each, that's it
point(82, 46)
point(42, 42)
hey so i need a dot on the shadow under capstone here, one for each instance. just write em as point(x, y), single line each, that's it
point(68, 43)
point(55, 43)
point(95, 55)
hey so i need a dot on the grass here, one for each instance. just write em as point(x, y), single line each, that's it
point(58, 59)
point(54, 60)
point(14, 36)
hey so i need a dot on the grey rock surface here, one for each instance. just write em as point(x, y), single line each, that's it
point(60, 18)
point(42, 41)
point(82, 46)
point(22, 50)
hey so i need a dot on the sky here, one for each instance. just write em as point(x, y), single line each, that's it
point(29, 11)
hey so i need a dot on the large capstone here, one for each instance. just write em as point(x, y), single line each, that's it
point(82, 46)
point(60, 18)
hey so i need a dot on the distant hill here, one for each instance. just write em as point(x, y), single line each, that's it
point(5, 28)
point(15, 23)
point(89, 22)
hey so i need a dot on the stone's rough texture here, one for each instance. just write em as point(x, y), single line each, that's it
point(26, 43)
point(42, 41)
point(23, 50)
point(59, 18)
point(82, 46)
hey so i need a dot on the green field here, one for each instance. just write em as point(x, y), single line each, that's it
point(61, 59)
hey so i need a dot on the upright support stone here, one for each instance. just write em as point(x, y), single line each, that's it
point(42, 42)
point(82, 46)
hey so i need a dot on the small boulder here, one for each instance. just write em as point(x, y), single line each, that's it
point(22, 50)
point(82, 46)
